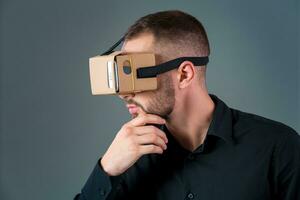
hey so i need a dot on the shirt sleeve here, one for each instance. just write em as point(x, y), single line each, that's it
point(100, 186)
point(287, 167)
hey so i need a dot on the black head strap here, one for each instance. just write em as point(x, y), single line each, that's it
point(153, 71)
point(111, 49)
point(148, 72)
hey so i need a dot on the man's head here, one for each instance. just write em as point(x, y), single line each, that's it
point(169, 35)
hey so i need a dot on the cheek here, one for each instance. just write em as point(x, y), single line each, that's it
point(149, 100)
point(143, 98)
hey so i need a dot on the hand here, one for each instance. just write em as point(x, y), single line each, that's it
point(134, 139)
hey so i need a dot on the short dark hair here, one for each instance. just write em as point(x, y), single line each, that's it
point(175, 27)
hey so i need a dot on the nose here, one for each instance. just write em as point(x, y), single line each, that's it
point(127, 96)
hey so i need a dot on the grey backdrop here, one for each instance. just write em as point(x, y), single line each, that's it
point(53, 130)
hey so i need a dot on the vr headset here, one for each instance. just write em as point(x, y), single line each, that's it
point(115, 72)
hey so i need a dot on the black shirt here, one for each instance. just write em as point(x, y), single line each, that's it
point(243, 157)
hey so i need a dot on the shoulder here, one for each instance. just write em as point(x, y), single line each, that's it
point(262, 128)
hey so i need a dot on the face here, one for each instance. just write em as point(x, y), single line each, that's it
point(159, 102)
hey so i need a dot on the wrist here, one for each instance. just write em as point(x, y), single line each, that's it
point(103, 165)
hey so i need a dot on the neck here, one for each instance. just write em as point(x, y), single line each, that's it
point(190, 119)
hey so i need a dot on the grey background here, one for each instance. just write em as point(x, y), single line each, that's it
point(53, 130)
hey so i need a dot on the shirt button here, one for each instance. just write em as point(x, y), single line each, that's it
point(190, 196)
point(102, 192)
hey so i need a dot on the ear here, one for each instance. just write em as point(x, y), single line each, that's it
point(185, 74)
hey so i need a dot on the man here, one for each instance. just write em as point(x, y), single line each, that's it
point(184, 143)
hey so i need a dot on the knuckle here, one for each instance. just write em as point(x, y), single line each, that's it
point(160, 132)
point(157, 149)
point(144, 120)
point(163, 135)
point(127, 130)
point(153, 138)
point(152, 148)
point(153, 129)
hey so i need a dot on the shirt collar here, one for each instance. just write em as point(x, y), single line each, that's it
point(221, 124)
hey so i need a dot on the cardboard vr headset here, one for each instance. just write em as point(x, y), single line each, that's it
point(115, 72)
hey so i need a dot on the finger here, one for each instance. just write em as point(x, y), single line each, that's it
point(141, 130)
point(144, 119)
point(150, 148)
point(151, 138)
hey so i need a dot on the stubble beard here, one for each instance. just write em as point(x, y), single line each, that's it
point(163, 101)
